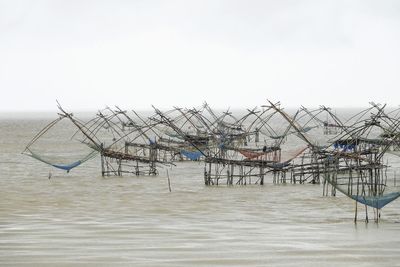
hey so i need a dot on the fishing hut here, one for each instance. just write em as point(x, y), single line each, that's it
point(231, 146)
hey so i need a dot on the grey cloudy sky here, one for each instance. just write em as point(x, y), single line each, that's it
point(88, 54)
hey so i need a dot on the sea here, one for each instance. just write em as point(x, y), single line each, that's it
point(49, 217)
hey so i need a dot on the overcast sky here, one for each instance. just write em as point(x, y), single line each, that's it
point(88, 54)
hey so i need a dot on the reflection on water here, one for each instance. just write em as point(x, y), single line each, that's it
point(83, 218)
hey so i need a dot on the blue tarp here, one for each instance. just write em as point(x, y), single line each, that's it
point(280, 165)
point(152, 142)
point(192, 155)
point(344, 147)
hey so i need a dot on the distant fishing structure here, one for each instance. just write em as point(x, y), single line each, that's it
point(349, 155)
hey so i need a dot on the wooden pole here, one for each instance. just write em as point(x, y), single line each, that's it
point(169, 182)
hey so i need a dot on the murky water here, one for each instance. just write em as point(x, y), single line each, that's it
point(82, 218)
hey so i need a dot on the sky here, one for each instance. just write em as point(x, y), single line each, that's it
point(134, 54)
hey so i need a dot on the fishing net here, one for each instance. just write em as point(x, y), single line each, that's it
point(60, 145)
point(375, 190)
point(360, 166)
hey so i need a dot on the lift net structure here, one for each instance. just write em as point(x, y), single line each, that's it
point(59, 145)
point(361, 161)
